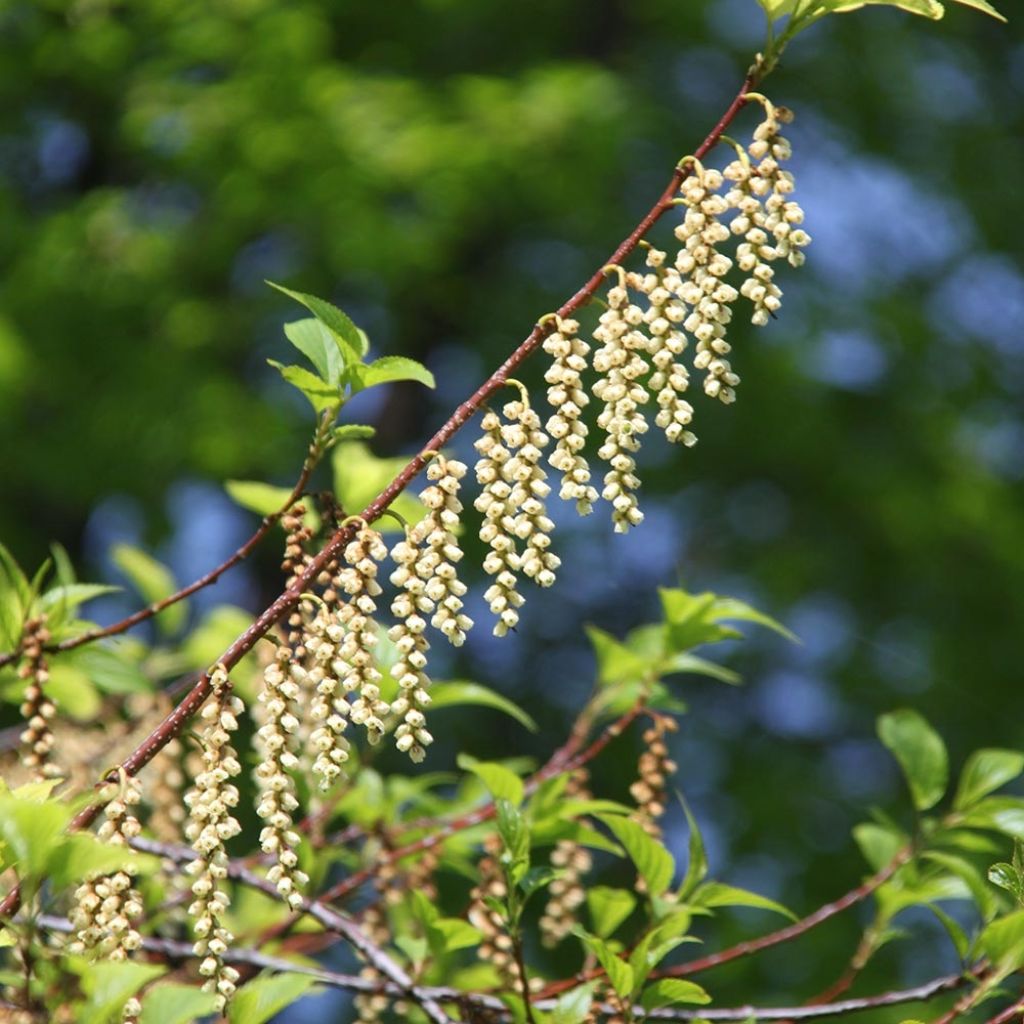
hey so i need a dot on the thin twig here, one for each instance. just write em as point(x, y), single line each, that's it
point(172, 726)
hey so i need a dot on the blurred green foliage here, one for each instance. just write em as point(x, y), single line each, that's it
point(449, 170)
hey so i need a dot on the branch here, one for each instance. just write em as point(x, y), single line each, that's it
point(172, 726)
point(929, 990)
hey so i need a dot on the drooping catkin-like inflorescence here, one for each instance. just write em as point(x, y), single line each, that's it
point(327, 708)
point(212, 822)
point(654, 769)
point(37, 709)
point(768, 220)
point(702, 269)
point(666, 345)
point(439, 551)
point(622, 364)
point(409, 638)
point(275, 741)
point(568, 397)
point(358, 579)
point(106, 906)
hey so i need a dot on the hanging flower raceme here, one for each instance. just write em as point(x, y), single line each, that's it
point(328, 709)
point(37, 709)
point(654, 769)
point(275, 741)
point(409, 637)
point(106, 906)
point(211, 803)
point(667, 342)
point(569, 398)
point(702, 269)
point(439, 551)
point(621, 362)
point(358, 579)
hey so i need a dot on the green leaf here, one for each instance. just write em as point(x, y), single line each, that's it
point(982, 5)
point(986, 770)
point(263, 997)
point(777, 8)
point(686, 662)
point(455, 934)
point(74, 857)
point(174, 1003)
point(673, 992)
point(1000, 813)
point(878, 843)
point(32, 832)
point(718, 894)
point(1003, 941)
point(352, 432)
point(697, 865)
point(263, 499)
point(573, 1007)
point(649, 952)
point(110, 984)
point(321, 394)
point(153, 580)
point(58, 602)
point(502, 783)
point(515, 835)
point(739, 611)
point(109, 669)
point(620, 974)
point(957, 935)
point(1008, 877)
point(359, 476)
point(616, 663)
point(392, 368)
point(654, 863)
point(345, 332)
point(969, 875)
point(322, 348)
point(608, 908)
point(446, 695)
point(926, 8)
point(920, 753)
point(15, 597)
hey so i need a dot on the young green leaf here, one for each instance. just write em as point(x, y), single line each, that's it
point(878, 843)
point(153, 580)
point(1002, 941)
point(673, 992)
point(920, 753)
point(174, 1003)
point(453, 694)
point(986, 770)
point(718, 894)
point(260, 999)
point(653, 862)
point(608, 908)
point(320, 394)
point(502, 783)
point(982, 5)
point(392, 368)
point(333, 318)
point(620, 974)
point(956, 934)
point(110, 984)
point(573, 1007)
point(322, 348)
point(616, 662)
point(697, 865)
point(352, 432)
point(926, 8)
point(359, 476)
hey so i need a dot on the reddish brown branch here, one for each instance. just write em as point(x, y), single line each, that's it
point(175, 722)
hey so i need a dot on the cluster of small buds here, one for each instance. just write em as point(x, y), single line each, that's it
point(573, 861)
point(358, 579)
point(294, 561)
point(212, 822)
point(409, 638)
point(275, 740)
point(131, 1012)
point(654, 768)
point(621, 362)
point(569, 398)
point(327, 709)
point(439, 551)
point(372, 1006)
point(37, 709)
point(667, 342)
point(105, 907)
point(496, 948)
point(702, 269)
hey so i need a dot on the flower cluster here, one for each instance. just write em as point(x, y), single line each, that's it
point(211, 803)
point(36, 708)
point(654, 768)
point(328, 710)
point(106, 906)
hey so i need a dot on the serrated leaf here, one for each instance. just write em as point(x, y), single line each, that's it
point(734, 610)
point(718, 894)
point(174, 1003)
point(57, 602)
point(109, 669)
point(452, 694)
point(1000, 813)
point(110, 984)
point(1002, 941)
point(985, 771)
point(573, 1007)
point(926, 8)
point(321, 347)
point(350, 339)
point(620, 974)
point(653, 862)
point(502, 783)
point(697, 864)
point(153, 580)
point(1007, 877)
point(982, 5)
point(393, 368)
point(957, 935)
point(616, 663)
point(920, 752)
point(969, 875)
point(691, 663)
point(608, 908)
point(320, 394)
point(352, 432)
point(32, 831)
point(260, 999)
point(673, 992)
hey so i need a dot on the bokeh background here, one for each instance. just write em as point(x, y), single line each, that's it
point(449, 170)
